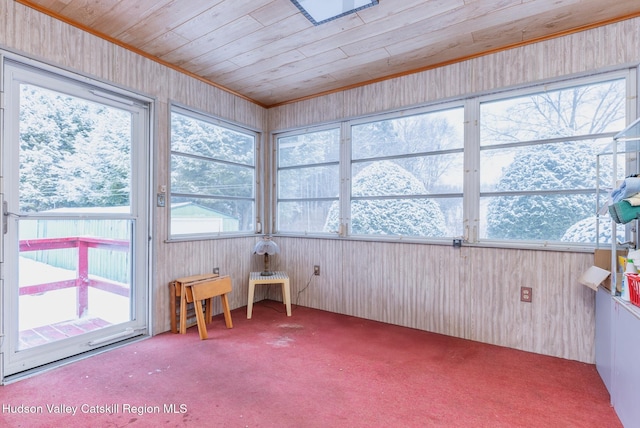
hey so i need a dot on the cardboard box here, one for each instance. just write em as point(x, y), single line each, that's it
point(593, 277)
point(602, 260)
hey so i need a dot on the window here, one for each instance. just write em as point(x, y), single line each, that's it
point(407, 175)
point(516, 167)
point(212, 176)
point(538, 160)
point(308, 181)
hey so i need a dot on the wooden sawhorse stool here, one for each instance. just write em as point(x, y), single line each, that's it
point(276, 278)
point(194, 289)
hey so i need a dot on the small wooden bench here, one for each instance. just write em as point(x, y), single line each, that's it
point(194, 289)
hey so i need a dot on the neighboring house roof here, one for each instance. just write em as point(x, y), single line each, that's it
point(190, 209)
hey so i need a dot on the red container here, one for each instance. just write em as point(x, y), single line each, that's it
point(633, 280)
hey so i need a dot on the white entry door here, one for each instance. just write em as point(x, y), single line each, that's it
point(75, 217)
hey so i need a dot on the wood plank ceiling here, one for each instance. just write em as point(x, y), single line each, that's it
point(268, 52)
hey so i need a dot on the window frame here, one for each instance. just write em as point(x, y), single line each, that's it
point(210, 119)
point(350, 161)
point(472, 234)
point(276, 174)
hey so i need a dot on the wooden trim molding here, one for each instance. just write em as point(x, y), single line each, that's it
point(465, 58)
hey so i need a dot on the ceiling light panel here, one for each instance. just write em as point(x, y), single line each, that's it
point(321, 11)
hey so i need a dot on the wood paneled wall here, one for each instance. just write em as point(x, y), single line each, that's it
point(470, 292)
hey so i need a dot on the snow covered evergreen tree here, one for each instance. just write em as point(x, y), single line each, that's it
point(73, 153)
point(542, 217)
point(563, 165)
point(370, 214)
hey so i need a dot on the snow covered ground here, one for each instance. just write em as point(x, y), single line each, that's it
point(60, 305)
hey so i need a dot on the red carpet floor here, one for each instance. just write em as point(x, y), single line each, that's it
point(314, 369)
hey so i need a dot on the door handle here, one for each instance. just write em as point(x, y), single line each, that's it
point(5, 217)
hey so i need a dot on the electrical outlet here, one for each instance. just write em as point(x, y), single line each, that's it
point(216, 271)
point(316, 269)
point(526, 294)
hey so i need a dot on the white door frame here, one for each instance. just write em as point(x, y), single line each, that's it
point(21, 69)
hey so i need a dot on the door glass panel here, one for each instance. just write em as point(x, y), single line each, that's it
point(75, 277)
point(74, 153)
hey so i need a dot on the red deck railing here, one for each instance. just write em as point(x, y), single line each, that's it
point(82, 281)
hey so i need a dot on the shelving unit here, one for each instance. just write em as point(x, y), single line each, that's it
point(625, 143)
point(617, 321)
